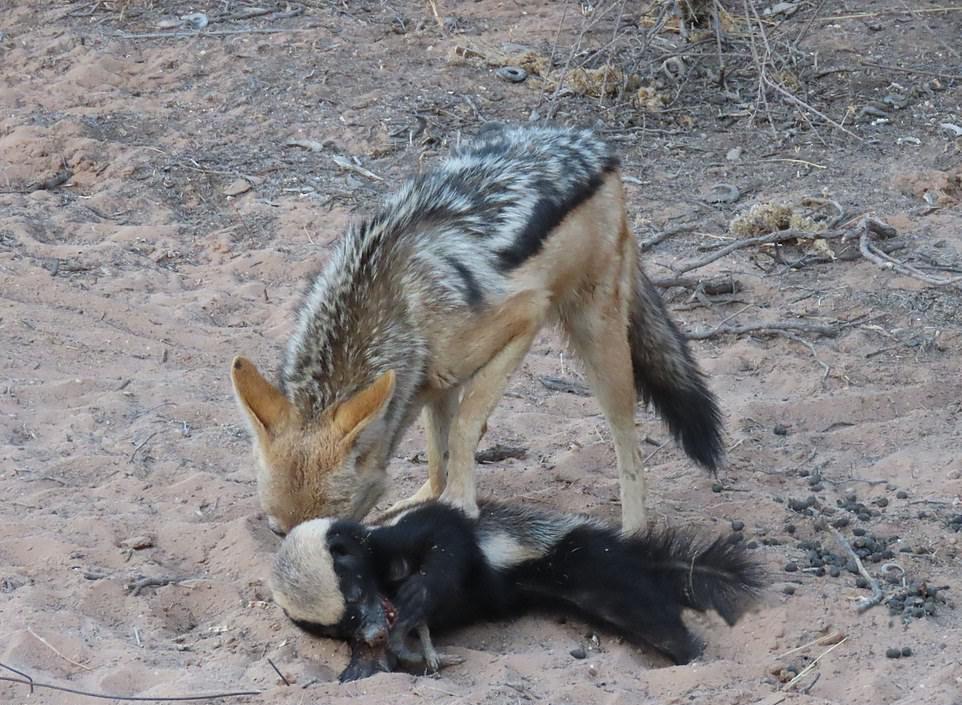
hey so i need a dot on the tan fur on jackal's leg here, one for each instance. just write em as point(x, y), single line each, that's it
point(481, 395)
point(598, 334)
point(437, 416)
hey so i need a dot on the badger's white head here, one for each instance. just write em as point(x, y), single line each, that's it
point(325, 579)
point(304, 582)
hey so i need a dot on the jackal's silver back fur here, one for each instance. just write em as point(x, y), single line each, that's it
point(445, 239)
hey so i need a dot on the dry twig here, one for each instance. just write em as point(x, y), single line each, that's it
point(499, 452)
point(657, 238)
point(870, 227)
point(211, 33)
point(810, 666)
point(135, 586)
point(54, 649)
point(766, 239)
point(773, 328)
point(557, 384)
point(864, 603)
point(28, 680)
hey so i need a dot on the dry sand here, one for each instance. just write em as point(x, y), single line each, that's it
point(182, 237)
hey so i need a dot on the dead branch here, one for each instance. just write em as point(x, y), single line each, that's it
point(773, 328)
point(871, 252)
point(802, 341)
point(348, 165)
point(499, 452)
point(802, 104)
point(650, 242)
point(865, 602)
point(557, 384)
point(716, 286)
point(766, 239)
point(55, 650)
point(135, 586)
point(27, 680)
point(211, 33)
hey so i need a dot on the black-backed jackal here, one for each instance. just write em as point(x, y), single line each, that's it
point(432, 303)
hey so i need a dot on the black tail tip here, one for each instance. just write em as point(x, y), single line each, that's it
point(695, 421)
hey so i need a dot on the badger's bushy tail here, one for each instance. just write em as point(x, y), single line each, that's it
point(717, 575)
point(638, 585)
point(667, 376)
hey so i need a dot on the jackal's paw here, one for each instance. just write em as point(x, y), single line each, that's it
point(424, 494)
point(468, 506)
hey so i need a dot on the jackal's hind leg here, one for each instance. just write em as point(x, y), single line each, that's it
point(598, 333)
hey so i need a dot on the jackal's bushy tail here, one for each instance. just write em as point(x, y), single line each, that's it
point(667, 376)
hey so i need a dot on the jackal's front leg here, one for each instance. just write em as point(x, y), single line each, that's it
point(523, 313)
point(437, 416)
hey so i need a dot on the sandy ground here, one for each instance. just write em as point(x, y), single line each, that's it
point(181, 235)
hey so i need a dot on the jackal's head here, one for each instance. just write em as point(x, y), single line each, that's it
point(318, 467)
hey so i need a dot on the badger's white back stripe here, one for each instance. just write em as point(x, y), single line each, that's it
point(505, 551)
point(303, 581)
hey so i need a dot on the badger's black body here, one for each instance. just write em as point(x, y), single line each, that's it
point(442, 569)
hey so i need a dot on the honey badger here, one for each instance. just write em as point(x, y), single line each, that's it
point(433, 567)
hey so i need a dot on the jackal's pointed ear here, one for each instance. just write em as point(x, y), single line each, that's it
point(263, 403)
point(355, 414)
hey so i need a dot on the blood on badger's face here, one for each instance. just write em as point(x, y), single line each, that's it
point(325, 579)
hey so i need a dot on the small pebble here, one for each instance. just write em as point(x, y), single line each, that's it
point(791, 567)
point(893, 653)
point(738, 525)
point(834, 571)
point(717, 487)
point(902, 494)
point(906, 651)
point(861, 582)
point(790, 528)
point(138, 543)
point(578, 653)
point(780, 430)
point(789, 589)
point(882, 502)
point(512, 74)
